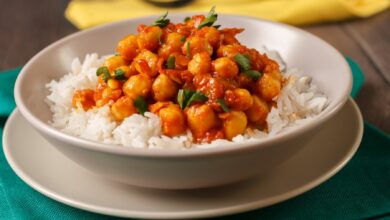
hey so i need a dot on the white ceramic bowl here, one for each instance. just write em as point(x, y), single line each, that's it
point(183, 169)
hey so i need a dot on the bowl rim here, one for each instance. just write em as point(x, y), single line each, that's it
point(46, 129)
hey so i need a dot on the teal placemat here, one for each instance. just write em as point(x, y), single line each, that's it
point(360, 190)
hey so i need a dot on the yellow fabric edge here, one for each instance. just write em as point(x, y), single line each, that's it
point(85, 14)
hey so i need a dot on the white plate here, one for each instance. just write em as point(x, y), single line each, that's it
point(52, 174)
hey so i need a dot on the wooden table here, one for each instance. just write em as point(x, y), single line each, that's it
point(28, 26)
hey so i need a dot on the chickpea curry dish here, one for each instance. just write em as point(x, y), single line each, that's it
point(194, 75)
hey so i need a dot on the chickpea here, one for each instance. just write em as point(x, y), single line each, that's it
point(149, 38)
point(128, 47)
point(197, 45)
point(173, 44)
point(238, 99)
point(174, 41)
point(268, 86)
point(230, 50)
point(211, 34)
point(164, 88)
point(156, 107)
point(225, 67)
point(114, 62)
point(200, 119)
point(123, 108)
point(84, 98)
point(234, 123)
point(258, 112)
point(138, 85)
point(146, 62)
point(181, 61)
point(277, 75)
point(172, 120)
point(113, 84)
point(214, 88)
point(200, 63)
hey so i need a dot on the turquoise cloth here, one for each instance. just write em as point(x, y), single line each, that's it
point(360, 190)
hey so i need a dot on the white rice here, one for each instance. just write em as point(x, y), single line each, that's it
point(299, 101)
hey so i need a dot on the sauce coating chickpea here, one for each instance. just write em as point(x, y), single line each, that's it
point(138, 85)
point(164, 88)
point(174, 41)
point(200, 63)
point(128, 47)
point(211, 34)
point(146, 62)
point(269, 87)
point(234, 123)
point(225, 67)
point(196, 45)
point(258, 112)
point(149, 38)
point(123, 108)
point(114, 62)
point(173, 121)
point(200, 119)
point(239, 99)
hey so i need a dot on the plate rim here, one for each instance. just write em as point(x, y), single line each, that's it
point(181, 214)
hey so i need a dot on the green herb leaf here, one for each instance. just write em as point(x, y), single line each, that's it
point(186, 97)
point(103, 70)
point(183, 96)
point(210, 19)
point(217, 26)
point(253, 74)
point(183, 39)
point(141, 105)
point(120, 74)
point(188, 50)
point(186, 19)
point(243, 61)
point(197, 97)
point(117, 54)
point(223, 105)
point(171, 62)
point(180, 98)
point(161, 21)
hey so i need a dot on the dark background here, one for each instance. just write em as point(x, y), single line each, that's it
point(27, 26)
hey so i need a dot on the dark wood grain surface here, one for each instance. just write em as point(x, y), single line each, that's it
point(29, 26)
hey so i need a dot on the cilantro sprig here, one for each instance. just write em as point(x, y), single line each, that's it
point(244, 62)
point(171, 62)
point(210, 19)
point(253, 74)
point(103, 71)
point(188, 50)
point(120, 74)
point(161, 21)
point(186, 97)
point(141, 105)
point(223, 105)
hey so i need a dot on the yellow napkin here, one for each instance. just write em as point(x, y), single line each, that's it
point(84, 14)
